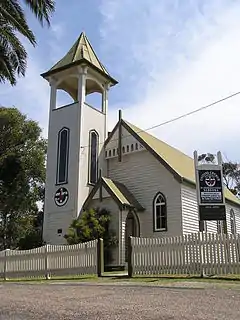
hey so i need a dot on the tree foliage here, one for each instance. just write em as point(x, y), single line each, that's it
point(231, 172)
point(93, 224)
point(22, 175)
point(13, 56)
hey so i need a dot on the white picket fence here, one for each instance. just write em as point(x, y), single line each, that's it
point(50, 260)
point(193, 254)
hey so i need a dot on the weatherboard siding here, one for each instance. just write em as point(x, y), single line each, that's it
point(144, 176)
point(55, 221)
point(190, 222)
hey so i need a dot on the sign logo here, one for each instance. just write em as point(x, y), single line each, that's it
point(61, 197)
point(210, 178)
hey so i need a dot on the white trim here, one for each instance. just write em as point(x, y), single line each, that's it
point(89, 156)
point(155, 205)
point(58, 156)
point(232, 220)
point(89, 77)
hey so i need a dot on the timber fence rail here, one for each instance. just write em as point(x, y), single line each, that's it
point(53, 260)
point(192, 254)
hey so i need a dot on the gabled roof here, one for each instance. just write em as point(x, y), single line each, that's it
point(178, 163)
point(118, 191)
point(81, 51)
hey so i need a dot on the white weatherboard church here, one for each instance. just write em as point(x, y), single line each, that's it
point(148, 186)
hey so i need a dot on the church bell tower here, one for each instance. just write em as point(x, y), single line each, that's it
point(76, 134)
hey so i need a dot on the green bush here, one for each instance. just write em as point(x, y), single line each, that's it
point(90, 225)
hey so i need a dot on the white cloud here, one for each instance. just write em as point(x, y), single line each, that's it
point(57, 33)
point(186, 55)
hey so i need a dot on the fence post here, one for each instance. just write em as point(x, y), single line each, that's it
point(130, 267)
point(47, 275)
point(5, 264)
point(100, 257)
point(202, 258)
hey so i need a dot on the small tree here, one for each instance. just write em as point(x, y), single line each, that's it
point(93, 224)
point(231, 172)
point(22, 175)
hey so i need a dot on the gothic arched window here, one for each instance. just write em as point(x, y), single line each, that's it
point(160, 213)
point(232, 221)
point(93, 157)
point(62, 156)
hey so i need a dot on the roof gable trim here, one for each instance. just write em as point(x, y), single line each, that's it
point(164, 163)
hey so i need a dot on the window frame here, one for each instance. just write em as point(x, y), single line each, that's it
point(232, 220)
point(58, 182)
point(90, 155)
point(164, 203)
point(220, 227)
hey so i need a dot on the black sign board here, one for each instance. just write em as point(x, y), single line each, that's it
point(210, 186)
point(212, 212)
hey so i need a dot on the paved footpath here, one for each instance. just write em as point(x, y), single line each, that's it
point(93, 301)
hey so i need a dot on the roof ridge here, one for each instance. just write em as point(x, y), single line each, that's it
point(100, 63)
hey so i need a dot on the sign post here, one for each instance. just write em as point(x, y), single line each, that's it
point(210, 191)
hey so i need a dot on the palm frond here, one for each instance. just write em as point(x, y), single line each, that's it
point(12, 13)
point(12, 54)
point(6, 70)
point(42, 9)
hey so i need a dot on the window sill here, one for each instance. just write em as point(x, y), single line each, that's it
point(160, 230)
point(61, 183)
point(91, 184)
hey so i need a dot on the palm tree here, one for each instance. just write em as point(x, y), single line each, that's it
point(13, 56)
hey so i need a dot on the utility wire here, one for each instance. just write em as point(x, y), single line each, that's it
point(178, 117)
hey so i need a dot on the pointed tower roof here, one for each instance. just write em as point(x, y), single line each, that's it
point(81, 52)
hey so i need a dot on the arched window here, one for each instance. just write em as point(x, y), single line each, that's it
point(62, 156)
point(220, 226)
point(159, 213)
point(93, 157)
point(232, 221)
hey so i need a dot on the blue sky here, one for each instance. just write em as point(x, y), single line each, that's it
point(169, 56)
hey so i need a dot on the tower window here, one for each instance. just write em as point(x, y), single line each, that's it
point(93, 157)
point(62, 156)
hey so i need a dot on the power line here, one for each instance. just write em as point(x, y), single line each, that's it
point(178, 117)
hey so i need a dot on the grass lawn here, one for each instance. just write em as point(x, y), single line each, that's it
point(118, 277)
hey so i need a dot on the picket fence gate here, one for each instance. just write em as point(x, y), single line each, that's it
point(53, 260)
point(192, 254)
